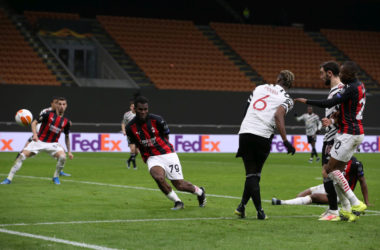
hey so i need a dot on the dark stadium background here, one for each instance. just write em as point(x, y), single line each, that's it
point(90, 107)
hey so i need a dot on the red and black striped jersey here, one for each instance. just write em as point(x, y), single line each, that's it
point(51, 126)
point(352, 99)
point(353, 171)
point(150, 136)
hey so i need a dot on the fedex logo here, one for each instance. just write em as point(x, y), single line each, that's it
point(296, 141)
point(101, 143)
point(370, 146)
point(5, 145)
point(201, 144)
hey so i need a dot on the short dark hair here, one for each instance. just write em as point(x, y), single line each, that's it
point(61, 98)
point(332, 66)
point(141, 99)
point(352, 67)
point(287, 78)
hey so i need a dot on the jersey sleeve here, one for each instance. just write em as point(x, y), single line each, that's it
point(66, 130)
point(288, 104)
point(163, 126)
point(43, 117)
point(338, 99)
point(130, 137)
point(360, 171)
point(125, 118)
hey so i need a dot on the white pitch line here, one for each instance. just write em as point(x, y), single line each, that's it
point(154, 220)
point(156, 190)
point(67, 242)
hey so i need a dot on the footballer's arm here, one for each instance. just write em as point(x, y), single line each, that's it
point(68, 146)
point(279, 117)
point(364, 189)
point(34, 130)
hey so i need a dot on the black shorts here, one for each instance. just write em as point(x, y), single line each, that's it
point(253, 147)
point(326, 151)
point(311, 139)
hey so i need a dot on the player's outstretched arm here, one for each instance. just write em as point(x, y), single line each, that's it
point(68, 146)
point(34, 130)
point(279, 117)
point(123, 128)
point(364, 189)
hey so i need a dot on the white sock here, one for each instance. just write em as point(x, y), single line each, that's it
point(298, 201)
point(198, 191)
point(16, 167)
point(346, 206)
point(60, 164)
point(341, 181)
point(173, 196)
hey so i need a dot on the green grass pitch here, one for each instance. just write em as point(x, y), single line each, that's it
point(105, 205)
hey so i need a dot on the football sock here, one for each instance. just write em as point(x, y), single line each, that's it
point(314, 152)
point(60, 164)
point(247, 193)
point(173, 196)
point(132, 158)
point(331, 193)
point(343, 199)
point(198, 191)
point(298, 201)
point(256, 197)
point(341, 181)
point(17, 165)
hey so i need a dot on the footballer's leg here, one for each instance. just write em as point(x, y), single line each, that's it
point(186, 186)
point(61, 160)
point(158, 174)
point(17, 165)
point(303, 198)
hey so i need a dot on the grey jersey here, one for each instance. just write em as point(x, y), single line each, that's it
point(127, 117)
point(312, 123)
point(333, 128)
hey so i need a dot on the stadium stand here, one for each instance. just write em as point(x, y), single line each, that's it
point(269, 49)
point(362, 47)
point(33, 16)
point(19, 63)
point(175, 54)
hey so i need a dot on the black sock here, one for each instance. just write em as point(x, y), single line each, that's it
point(256, 196)
point(331, 193)
point(247, 191)
point(314, 152)
point(132, 159)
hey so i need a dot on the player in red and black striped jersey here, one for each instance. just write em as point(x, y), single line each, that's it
point(350, 135)
point(353, 172)
point(152, 136)
point(150, 133)
point(52, 126)
point(53, 123)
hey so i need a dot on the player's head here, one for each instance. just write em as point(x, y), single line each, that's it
point(132, 106)
point(141, 107)
point(61, 105)
point(328, 70)
point(348, 72)
point(285, 78)
point(309, 109)
point(53, 103)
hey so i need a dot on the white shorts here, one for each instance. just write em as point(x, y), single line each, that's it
point(49, 147)
point(320, 189)
point(169, 162)
point(345, 146)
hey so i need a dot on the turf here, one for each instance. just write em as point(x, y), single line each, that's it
point(107, 205)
